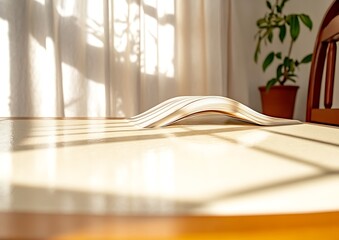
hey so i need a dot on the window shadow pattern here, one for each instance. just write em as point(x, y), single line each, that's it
point(110, 54)
point(110, 202)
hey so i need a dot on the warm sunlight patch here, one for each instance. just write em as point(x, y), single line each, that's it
point(65, 8)
point(158, 38)
point(94, 23)
point(42, 2)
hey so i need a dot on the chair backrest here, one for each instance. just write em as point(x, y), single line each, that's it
point(325, 50)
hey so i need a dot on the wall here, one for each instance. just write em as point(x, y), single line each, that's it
point(245, 13)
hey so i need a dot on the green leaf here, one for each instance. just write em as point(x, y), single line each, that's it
point(270, 36)
point(279, 71)
point(278, 55)
point(292, 75)
point(278, 20)
point(292, 66)
point(268, 60)
point(283, 4)
point(268, 4)
point(256, 56)
point(306, 20)
point(287, 62)
point(294, 27)
point(307, 59)
point(288, 19)
point(270, 83)
point(261, 22)
point(291, 79)
point(257, 51)
point(282, 33)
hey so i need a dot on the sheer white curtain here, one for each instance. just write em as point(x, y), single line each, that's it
point(103, 58)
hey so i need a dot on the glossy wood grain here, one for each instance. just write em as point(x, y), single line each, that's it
point(64, 227)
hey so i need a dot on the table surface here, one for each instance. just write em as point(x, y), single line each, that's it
point(107, 167)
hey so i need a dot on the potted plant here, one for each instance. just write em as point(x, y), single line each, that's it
point(278, 98)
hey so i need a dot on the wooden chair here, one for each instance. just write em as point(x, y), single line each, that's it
point(325, 48)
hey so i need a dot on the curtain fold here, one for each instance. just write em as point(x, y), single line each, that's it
point(110, 58)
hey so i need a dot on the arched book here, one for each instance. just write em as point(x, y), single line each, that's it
point(179, 108)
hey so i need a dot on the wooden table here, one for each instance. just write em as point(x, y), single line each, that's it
point(106, 179)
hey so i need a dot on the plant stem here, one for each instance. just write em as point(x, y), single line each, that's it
point(285, 67)
point(290, 49)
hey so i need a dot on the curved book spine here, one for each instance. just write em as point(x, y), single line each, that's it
point(178, 108)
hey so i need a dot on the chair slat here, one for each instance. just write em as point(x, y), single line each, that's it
point(325, 50)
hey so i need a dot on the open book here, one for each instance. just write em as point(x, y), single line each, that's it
point(179, 108)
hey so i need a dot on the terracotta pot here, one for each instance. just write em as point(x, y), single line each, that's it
point(279, 101)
